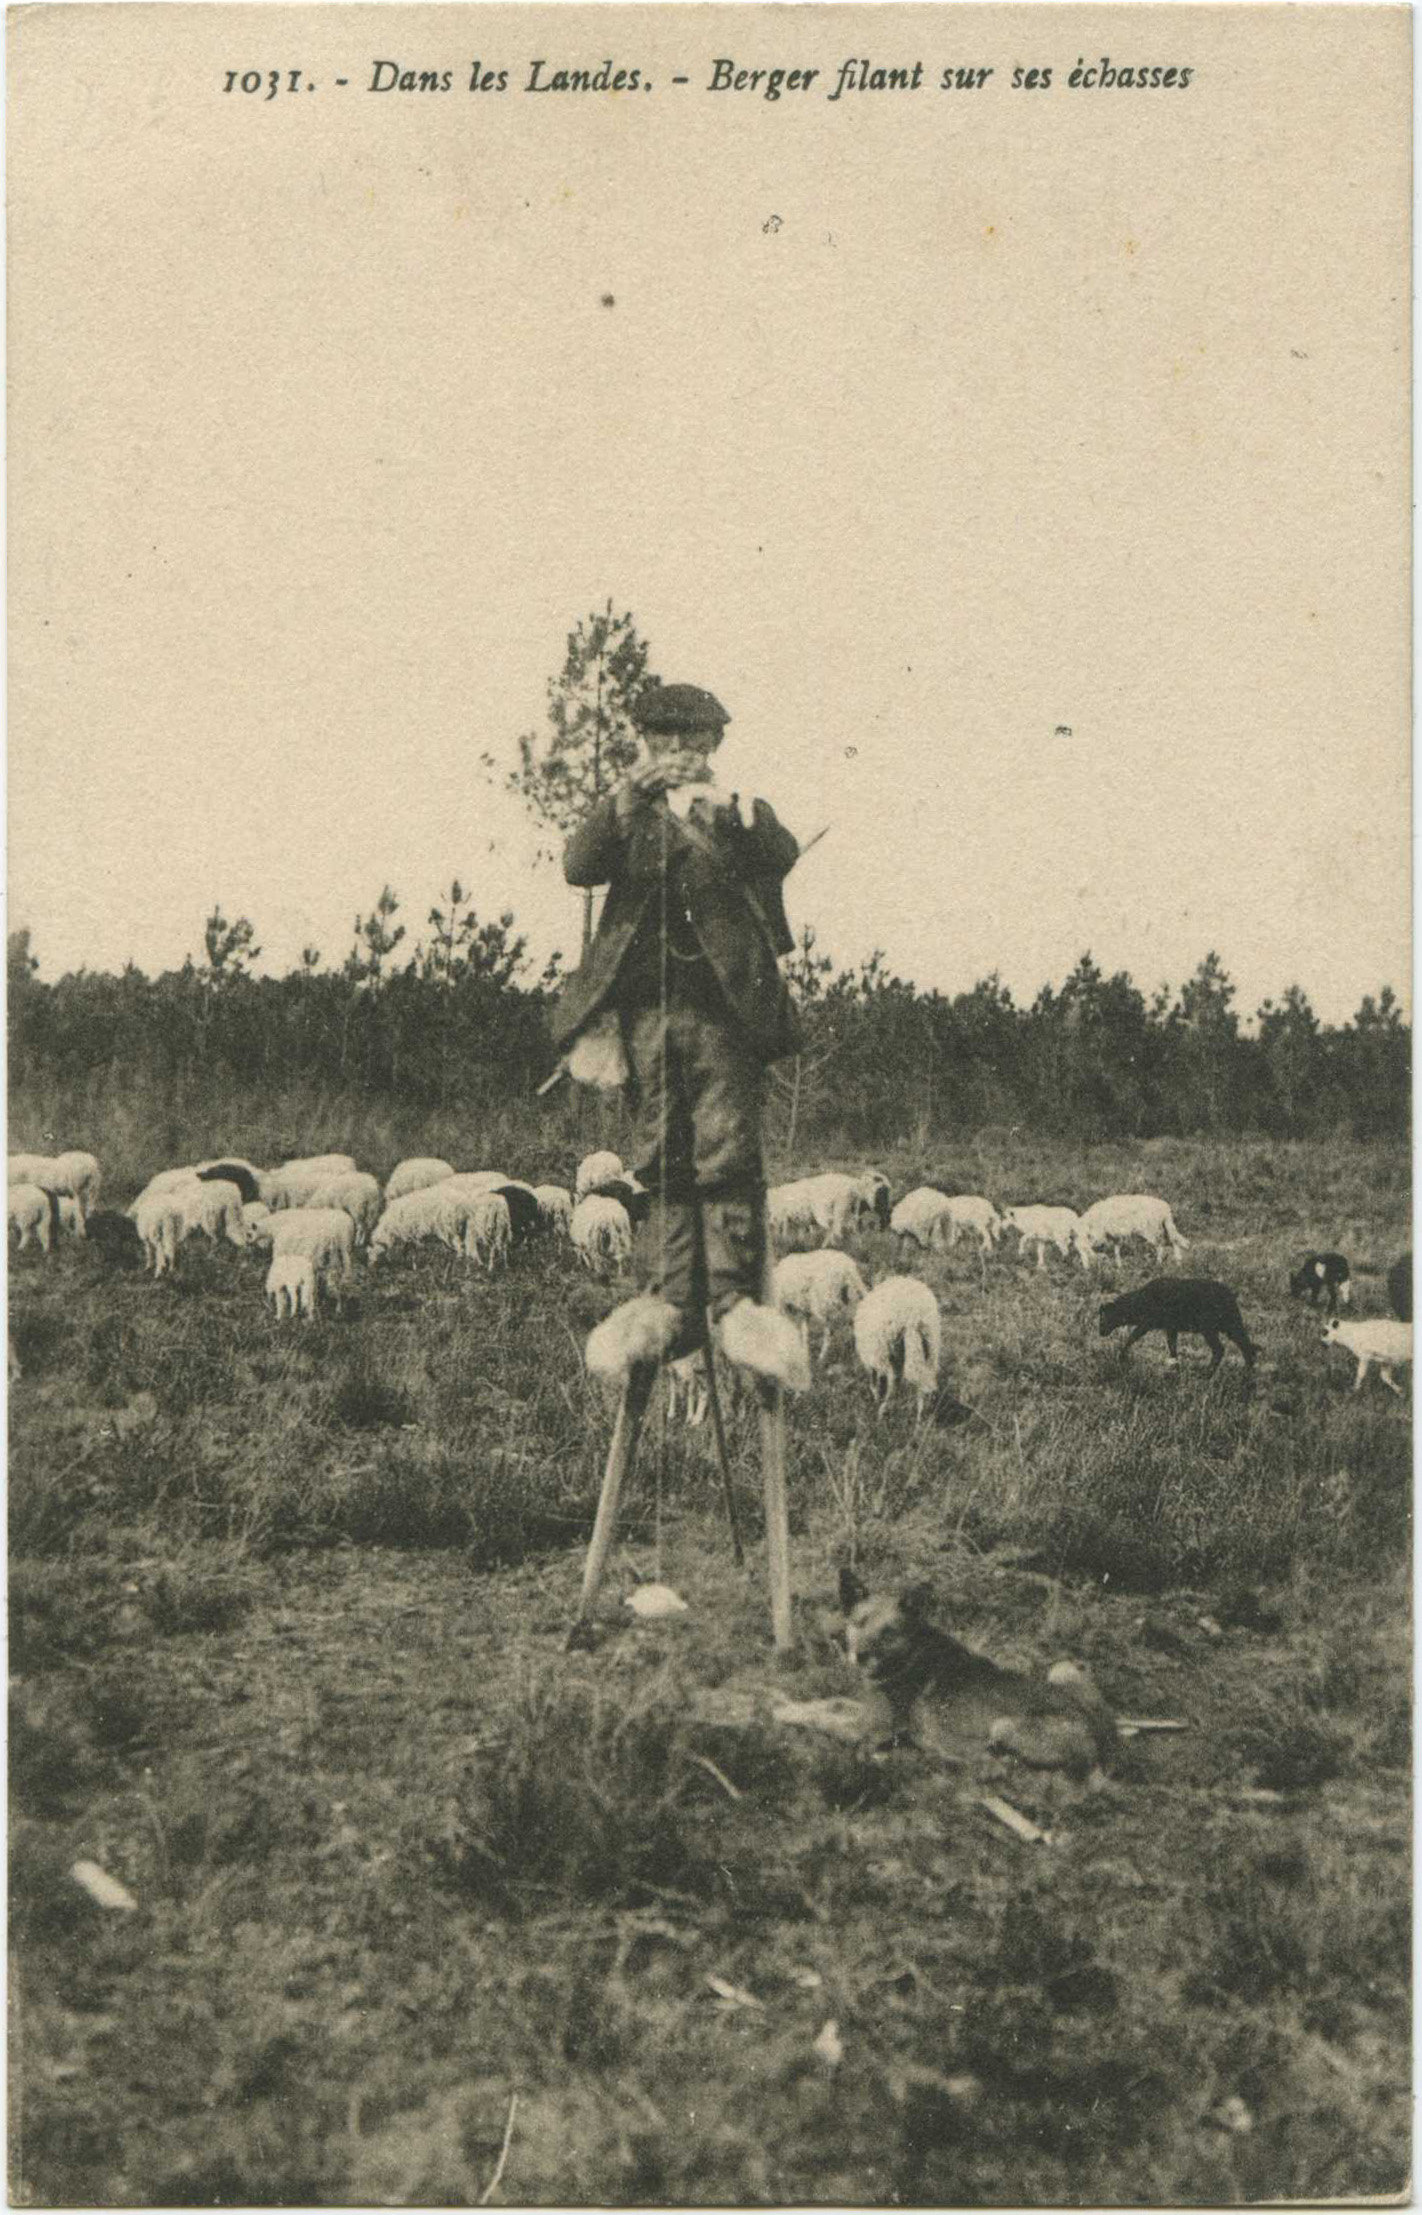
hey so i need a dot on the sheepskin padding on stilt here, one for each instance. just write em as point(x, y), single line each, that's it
point(640, 1331)
point(766, 1342)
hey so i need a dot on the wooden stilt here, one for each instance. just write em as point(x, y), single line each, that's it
point(621, 1454)
point(772, 1460)
point(713, 1397)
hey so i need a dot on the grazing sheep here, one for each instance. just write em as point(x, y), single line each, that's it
point(291, 1286)
point(330, 1165)
point(477, 1225)
point(628, 1193)
point(522, 1203)
point(164, 1180)
point(595, 1169)
point(358, 1194)
point(954, 1702)
point(555, 1208)
point(972, 1216)
point(1038, 1228)
point(1128, 1215)
point(31, 1211)
point(240, 1173)
point(817, 1287)
point(115, 1237)
point(1380, 1339)
point(158, 1220)
point(78, 1175)
point(212, 1209)
point(325, 1235)
point(939, 1219)
point(601, 1231)
point(254, 1214)
point(1328, 1274)
point(1399, 1288)
point(414, 1175)
point(876, 1194)
point(1175, 1304)
point(921, 1217)
point(71, 1175)
point(411, 1219)
point(898, 1332)
point(293, 1184)
point(830, 1204)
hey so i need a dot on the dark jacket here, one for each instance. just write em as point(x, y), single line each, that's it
point(730, 879)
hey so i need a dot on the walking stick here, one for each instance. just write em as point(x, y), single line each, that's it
point(772, 1458)
point(713, 1397)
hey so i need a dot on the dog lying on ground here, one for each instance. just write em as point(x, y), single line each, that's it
point(955, 1703)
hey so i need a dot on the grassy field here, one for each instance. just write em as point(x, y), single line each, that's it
point(423, 1900)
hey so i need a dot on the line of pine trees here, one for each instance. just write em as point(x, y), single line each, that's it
point(462, 1019)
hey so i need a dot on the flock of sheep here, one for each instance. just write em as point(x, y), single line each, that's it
point(315, 1214)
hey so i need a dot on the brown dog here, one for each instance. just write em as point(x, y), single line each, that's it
point(955, 1703)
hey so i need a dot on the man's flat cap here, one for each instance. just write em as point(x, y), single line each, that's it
point(679, 707)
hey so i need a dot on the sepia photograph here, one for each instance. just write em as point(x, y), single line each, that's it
point(709, 1090)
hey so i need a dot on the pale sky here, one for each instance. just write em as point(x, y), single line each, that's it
point(1079, 408)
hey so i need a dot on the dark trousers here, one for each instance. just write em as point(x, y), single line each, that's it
point(701, 1089)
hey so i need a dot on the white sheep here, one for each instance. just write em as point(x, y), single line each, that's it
point(413, 1175)
point(293, 1184)
point(595, 1169)
point(78, 1175)
point(254, 1214)
point(874, 1190)
point(31, 1213)
point(358, 1194)
point(970, 1215)
point(158, 1220)
point(1380, 1339)
point(898, 1331)
point(815, 1288)
point(921, 1217)
point(411, 1219)
point(324, 1235)
point(830, 1204)
point(72, 1175)
point(291, 1286)
point(601, 1231)
point(476, 1224)
point(163, 1180)
point(1128, 1215)
point(213, 1209)
point(555, 1208)
point(1040, 1227)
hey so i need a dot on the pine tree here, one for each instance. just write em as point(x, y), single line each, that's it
point(590, 742)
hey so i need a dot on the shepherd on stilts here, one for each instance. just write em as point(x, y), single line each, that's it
point(681, 996)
